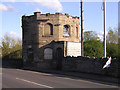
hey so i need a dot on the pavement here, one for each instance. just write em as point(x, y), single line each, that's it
point(19, 78)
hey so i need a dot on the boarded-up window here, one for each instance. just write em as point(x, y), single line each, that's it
point(48, 29)
point(74, 49)
point(48, 53)
point(66, 30)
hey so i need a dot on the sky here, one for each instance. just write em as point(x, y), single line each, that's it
point(11, 13)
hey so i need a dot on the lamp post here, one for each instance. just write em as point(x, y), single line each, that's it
point(104, 14)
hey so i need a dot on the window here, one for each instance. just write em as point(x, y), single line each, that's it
point(66, 30)
point(77, 32)
point(48, 29)
point(48, 53)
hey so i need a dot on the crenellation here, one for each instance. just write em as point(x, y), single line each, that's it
point(47, 14)
point(38, 16)
point(40, 30)
point(58, 13)
point(37, 13)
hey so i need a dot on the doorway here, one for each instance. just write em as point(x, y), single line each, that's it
point(59, 58)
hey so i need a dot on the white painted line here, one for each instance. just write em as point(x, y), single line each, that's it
point(34, 72)
point(34, 83)
point(86, 81)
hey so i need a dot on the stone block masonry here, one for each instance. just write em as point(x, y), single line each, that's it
point(91, 65)
point(45, 37)
point(49, 40)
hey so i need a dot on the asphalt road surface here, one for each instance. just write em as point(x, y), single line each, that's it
point(17, 78)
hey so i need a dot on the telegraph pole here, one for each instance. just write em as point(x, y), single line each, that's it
point(82, 47)
point(104, 5)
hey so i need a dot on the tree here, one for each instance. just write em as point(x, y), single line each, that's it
point(112, 50)
point(93, 48)
point(10, 45)
point(5, 45)
point(112, 36)
point(88, 35)
point(119, 43)
point(112, 43)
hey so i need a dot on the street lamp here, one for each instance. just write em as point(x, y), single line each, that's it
point(104, 14)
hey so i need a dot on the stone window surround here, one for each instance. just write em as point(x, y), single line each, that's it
point(51, 29)
point(69, 28)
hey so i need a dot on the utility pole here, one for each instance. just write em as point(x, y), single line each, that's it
point(82, 47)
point(104, 5)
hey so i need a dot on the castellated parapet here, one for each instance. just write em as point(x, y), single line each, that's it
point(37, 23)
point(53, 31)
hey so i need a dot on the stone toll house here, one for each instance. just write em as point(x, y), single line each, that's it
point(51, 41)
point(47, 38)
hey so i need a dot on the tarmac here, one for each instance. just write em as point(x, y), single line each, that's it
point(81, 75)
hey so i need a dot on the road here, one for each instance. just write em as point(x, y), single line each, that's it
point(18, 78)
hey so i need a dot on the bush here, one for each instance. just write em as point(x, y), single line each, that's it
point(93, 48)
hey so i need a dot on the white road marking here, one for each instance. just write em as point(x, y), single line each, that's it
point(34, 72)
point(66, 78)
point(34, 83)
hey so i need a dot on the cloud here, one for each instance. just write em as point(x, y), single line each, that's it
point(38, 10)
point(7, 0)
point(101, 37)
point(12, 0)
point(6, 8)
point(100, 34)
point(51, 4)
point(14, 34)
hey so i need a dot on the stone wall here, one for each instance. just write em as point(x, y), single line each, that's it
point(90, 65)
point(40, 30)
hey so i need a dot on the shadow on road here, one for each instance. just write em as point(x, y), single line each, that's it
point(56, 73)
